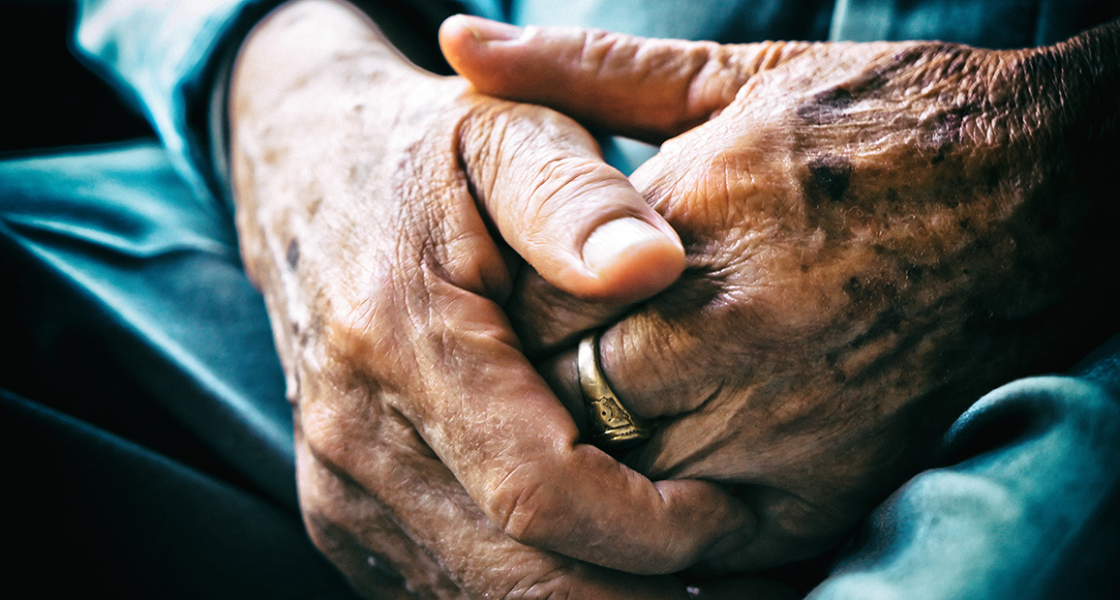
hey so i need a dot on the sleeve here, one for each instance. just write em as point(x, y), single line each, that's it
point(172, 59)
point(1022, 504)
point(165, 57)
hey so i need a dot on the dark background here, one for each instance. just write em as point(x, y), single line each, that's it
point(47, 97)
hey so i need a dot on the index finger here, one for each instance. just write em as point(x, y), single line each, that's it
point(483, 409)
point(645, 88)
point(516, 450)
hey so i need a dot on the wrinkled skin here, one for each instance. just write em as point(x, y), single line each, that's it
point(432, 459)
point(876, 234)
point(434, 462)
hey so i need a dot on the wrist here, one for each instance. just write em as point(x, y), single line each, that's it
point(316, 90)
point(309, 43)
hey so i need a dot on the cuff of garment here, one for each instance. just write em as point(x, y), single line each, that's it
point(217, 124)
point(218, 82)
point(172, 61)
point(165, 58)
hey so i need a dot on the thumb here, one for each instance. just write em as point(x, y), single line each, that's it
point(579, 222)
point(649, 89)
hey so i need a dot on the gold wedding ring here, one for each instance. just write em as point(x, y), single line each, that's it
point(612, 426)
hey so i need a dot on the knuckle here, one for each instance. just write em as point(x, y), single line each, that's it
point(365, 567)
point(344, 433)
point(347, 332)
point(351, 327)
point(551, 177)
point(527, 508)
point(607, 53)
point(479, 144)
point(326, 534)
point(326, 503)
point(326, 438)
point(367, 341)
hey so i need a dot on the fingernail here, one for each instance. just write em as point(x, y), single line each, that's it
point(614, 239)
point(485, 30)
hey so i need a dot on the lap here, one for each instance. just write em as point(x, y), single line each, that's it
point(106, 246)
point(109, 248)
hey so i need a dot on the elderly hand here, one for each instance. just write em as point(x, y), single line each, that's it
point(427, 445)
point(875, 235)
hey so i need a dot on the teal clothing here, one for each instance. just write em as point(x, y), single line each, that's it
point(134, 245)
point(170, 60)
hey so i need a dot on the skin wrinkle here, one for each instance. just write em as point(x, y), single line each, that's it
point(790, 390)
point(596, 47)
point(334, 285)
point(554, 175)
point(551, 585)
point(363, 523)
point(643, 460)
point(918, 254)
point(470, 144)
point(701, 74)
point(589, 178)
point(518, 513)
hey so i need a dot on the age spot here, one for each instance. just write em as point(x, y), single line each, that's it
point(292, 254)
point(829, 178)
point(826, 107)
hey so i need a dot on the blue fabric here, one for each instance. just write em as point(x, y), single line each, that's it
point(125, 522)
point(990, 23)
point(1021, 505)
point(1024, 508)
point(162, 55)
point(167, 56)
point(137, 251)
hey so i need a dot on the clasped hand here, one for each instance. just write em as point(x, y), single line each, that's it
point(367, 192)
point(849, 216)
point(876, 234)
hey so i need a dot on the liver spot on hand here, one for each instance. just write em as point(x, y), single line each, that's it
point(829, 177)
